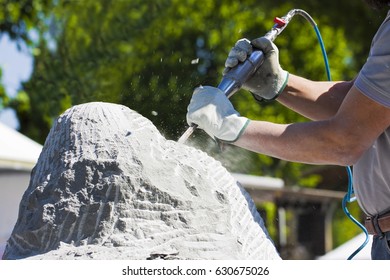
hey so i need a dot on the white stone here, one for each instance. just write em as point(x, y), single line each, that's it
point(108, 185)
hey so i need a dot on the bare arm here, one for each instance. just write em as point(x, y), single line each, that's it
point(314, 100)
point(340, 139)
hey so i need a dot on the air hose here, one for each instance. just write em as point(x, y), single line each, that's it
point(349, 196)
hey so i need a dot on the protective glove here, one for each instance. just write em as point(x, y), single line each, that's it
point(270, 79)
point(212, 111)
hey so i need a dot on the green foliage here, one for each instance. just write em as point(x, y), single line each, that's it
point(271, 210)
point(345, 229)
point(18, 17)
point(150, 54)
point(3, 96)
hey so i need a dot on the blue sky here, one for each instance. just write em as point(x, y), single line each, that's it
point(16, 67)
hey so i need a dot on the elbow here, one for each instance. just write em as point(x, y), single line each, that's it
point(348, 155)
point(349, 143)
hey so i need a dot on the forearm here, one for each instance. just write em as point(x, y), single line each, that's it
point(314, 100)
point(340, 140)
point(311, 142)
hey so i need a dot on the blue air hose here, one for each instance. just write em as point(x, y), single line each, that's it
point(349, 196)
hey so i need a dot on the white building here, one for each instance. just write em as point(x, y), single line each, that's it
point(18, 155)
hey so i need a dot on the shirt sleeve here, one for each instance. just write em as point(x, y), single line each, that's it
point(374, 78)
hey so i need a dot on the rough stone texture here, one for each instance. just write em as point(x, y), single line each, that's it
point(107, 185)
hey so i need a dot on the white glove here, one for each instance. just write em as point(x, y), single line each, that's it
point(270, 79)
point(212, 111)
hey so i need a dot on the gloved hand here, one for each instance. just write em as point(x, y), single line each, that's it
point(270, 79)
point(212, 111)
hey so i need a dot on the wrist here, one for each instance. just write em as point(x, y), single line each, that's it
point(232, 128)
point(264, 93)
point(282, 83)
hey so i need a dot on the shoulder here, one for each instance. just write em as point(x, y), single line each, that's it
point(374, 77)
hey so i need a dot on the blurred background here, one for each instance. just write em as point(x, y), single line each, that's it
point(149, 55)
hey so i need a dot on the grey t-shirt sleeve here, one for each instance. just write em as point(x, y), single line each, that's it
point(374, 78)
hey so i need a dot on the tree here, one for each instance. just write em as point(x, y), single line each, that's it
point(17, 19)
point(3, 96)
point(149, 55)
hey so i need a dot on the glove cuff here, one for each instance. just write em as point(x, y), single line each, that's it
point(281, 86)
point(283, 83)
point(232, 128)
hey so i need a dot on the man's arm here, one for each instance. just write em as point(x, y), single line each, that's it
point(314, 100)
point(339, 140)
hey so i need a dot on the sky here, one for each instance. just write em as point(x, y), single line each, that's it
point(16, 67)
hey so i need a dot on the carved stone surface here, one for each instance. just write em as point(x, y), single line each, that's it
point(108, 185)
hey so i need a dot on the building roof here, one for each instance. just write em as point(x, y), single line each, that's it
point(16, 150)
point(264, 189)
